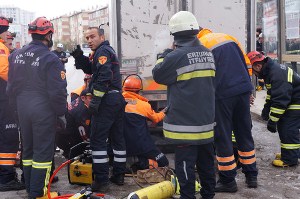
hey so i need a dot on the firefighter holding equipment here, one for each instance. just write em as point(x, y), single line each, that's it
point(37, 76)
point(189, 71)
point(9, 142)
point(282, 107)
point(107, 107)
point(138, 140)
point(233, 98)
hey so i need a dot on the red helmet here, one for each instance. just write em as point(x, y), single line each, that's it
point(40, 26)
point(133, 83)
point(11, 35)
point(255, 56)
point(5, 21)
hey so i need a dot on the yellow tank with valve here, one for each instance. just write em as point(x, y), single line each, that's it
point(80, 173)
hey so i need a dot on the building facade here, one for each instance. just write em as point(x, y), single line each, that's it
point(21, 19)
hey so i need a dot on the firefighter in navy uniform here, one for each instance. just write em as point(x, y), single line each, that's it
point(189, 73)
point(138, 140)
point(107, 107)
point(60, 53)
point(9, 142)
point(282, 108)
point(78, 124)
point(233, 98)
point(37, 81)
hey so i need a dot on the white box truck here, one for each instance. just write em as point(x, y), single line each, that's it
point(138, 30)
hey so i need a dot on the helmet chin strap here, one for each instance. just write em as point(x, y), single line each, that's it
point(50, 41)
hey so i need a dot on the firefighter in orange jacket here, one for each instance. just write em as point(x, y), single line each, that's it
point(138, 140)
point(9, 142)
point(233, 98)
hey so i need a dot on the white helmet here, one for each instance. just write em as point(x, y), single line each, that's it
point(183, 21)
point(59, 45)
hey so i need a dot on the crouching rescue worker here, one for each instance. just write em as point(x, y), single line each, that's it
point(78, 124)
point(189, 73)
point(9, 141)
point(38, 82)
point(107, 108)
point(76, 93)
point(138, 140)
point(282, 106)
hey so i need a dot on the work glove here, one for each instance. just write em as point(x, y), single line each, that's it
point(77, 52)
point(61, 122)
point(265, 114)
point(94, 104)
point(166, 51)
point(272, 126)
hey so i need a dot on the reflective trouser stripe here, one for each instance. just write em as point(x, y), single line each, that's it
point(294, 107)
point(290, 146)
point(227, 168)
point(43, 165)
point(8, 155)
point(103, 160)
point(8, 158)
point(27, 162)
point(247, 157)
point(7, 162)
point(225, 159)
point(119, 152)
point(119, 159)
point(226, 163)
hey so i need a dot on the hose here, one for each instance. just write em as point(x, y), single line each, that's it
point(95, 196)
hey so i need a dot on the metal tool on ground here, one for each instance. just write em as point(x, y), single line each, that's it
point(80, 171)
point(85, 193)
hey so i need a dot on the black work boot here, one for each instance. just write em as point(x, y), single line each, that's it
point(117, 179)
point(12, 186)
point(251, 181)
point(230, 187)
point(100, 187)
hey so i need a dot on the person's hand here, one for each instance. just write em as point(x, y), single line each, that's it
point(61, 122)
point(252, 98)
point(166, 51)
point(165, 110)
point(265, 114)
point(94, 104)
point(272, 126)
point(77, 52)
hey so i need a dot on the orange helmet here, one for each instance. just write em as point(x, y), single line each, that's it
point(5, 21)
point(133, 83)
point(40, 26)
point(255, 56)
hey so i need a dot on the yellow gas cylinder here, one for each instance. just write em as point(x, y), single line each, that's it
point(160, 190)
